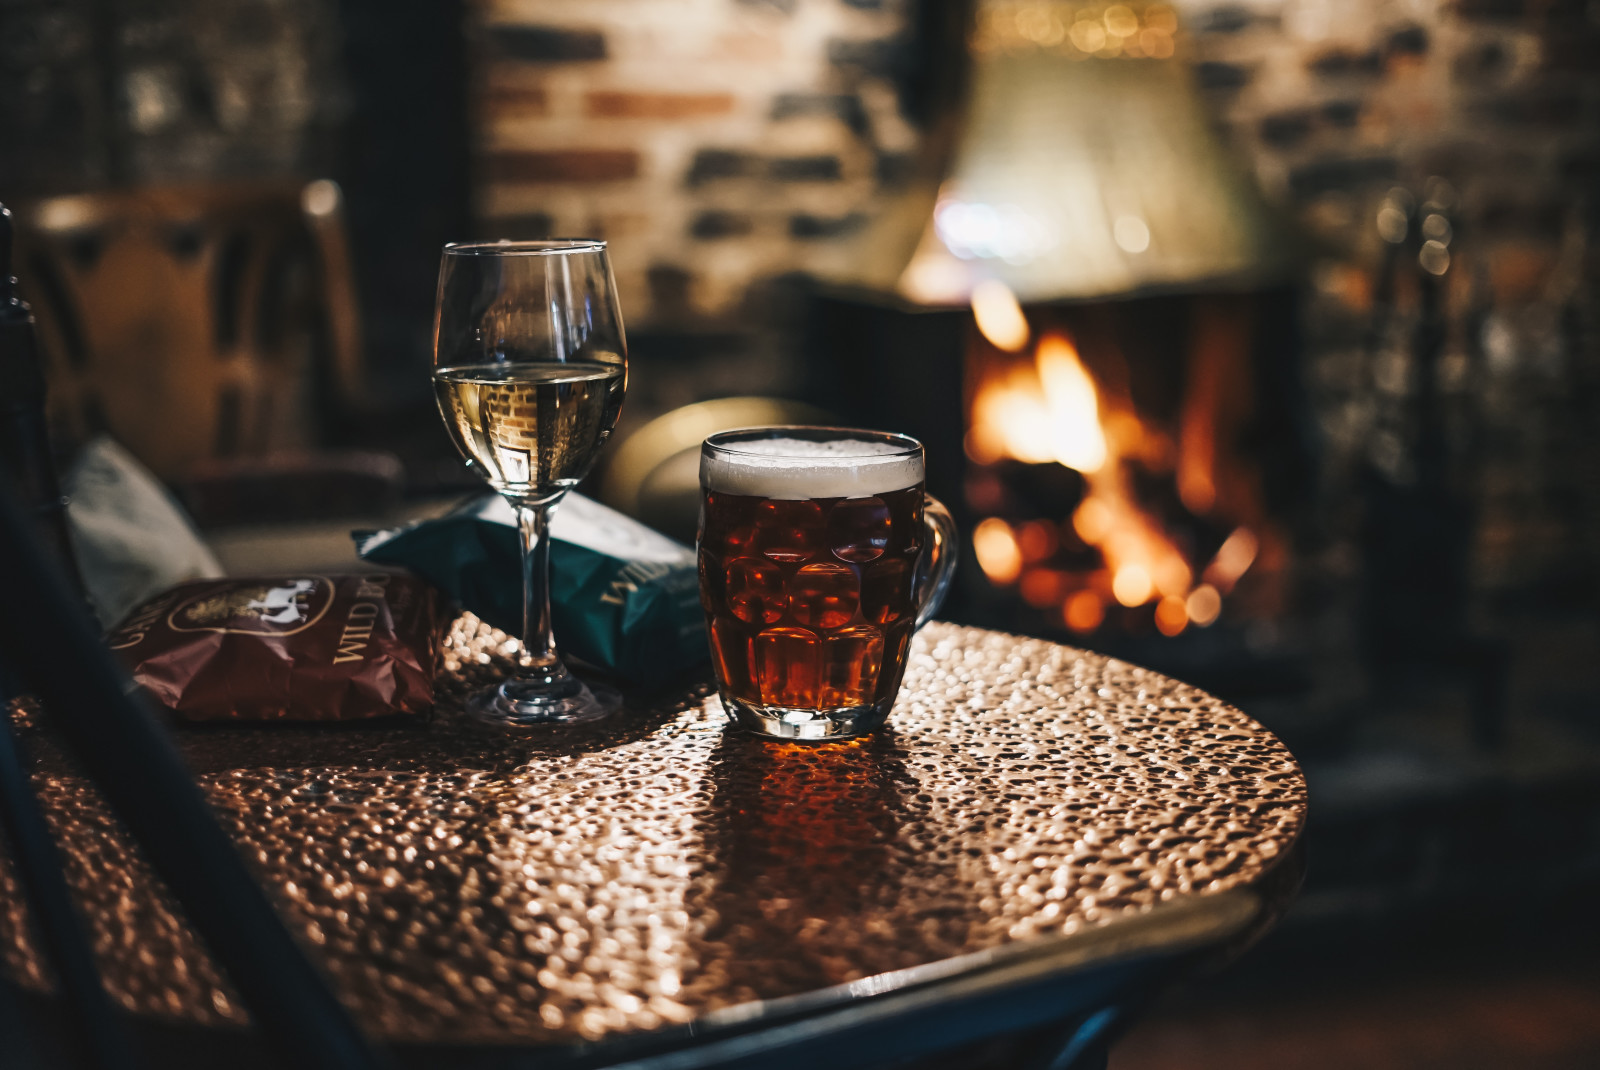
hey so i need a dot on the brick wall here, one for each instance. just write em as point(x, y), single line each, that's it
point(1491, 108)
point(715, 142)
point(721, 142)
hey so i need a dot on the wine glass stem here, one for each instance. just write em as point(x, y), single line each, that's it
point(533, 521)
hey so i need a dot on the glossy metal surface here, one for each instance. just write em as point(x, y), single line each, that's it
point(464, 885)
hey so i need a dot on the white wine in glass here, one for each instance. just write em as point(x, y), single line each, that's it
point(530, 425)
point(530, 365)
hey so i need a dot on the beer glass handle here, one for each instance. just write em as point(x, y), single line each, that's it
point(937, 566)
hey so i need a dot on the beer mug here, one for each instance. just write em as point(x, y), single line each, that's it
point(820, 555)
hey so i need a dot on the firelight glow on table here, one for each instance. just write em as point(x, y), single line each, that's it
point(608, 879)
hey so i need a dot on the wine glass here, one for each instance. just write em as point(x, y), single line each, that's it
point(530, 365)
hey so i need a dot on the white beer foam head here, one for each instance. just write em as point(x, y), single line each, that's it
point(799, 468)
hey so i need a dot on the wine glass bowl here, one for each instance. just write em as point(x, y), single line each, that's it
point(530, 367)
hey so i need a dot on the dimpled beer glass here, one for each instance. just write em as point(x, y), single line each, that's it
point(820, 555)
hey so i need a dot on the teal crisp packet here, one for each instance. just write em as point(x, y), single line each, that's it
point(623, 597)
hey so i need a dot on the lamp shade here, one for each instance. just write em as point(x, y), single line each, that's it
point(1080, 173)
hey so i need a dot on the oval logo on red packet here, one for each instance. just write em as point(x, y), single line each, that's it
point(279, 607)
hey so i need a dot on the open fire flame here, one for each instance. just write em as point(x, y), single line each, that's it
point(1049, 410)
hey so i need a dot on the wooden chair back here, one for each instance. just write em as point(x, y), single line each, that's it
point(194, 322)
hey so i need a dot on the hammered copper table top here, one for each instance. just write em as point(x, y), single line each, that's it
point(458, 884)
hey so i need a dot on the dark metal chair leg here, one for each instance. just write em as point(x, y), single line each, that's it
point(15, 1042)
point(100, 1036)
point(49, 640)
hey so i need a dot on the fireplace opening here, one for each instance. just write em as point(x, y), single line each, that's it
point(1133, 473)
point(1115, 463)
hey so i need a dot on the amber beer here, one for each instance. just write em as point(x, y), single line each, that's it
point(812, 574)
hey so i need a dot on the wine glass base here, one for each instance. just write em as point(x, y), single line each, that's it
point(514, 704)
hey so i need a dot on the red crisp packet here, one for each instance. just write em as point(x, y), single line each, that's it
point(298, 648)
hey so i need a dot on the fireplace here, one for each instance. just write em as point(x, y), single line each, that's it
point(1090, 319)
point(1129, 472)
point(1131, 466)
point(1114, 463)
